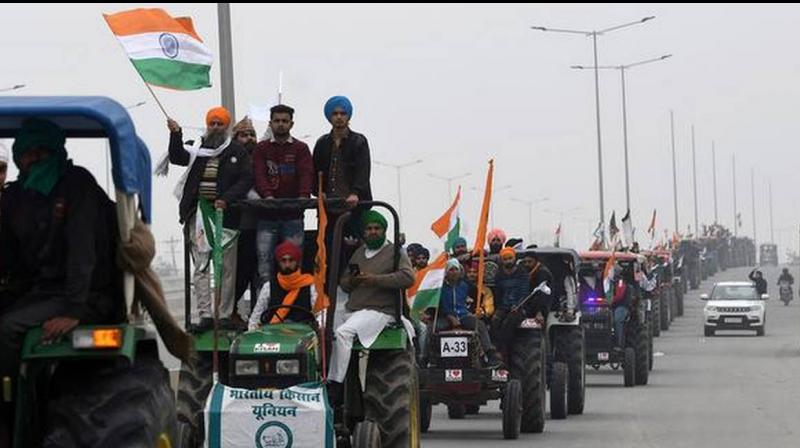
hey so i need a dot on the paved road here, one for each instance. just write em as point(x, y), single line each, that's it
point(735, 390)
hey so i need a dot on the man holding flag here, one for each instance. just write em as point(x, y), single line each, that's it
point(219, 171)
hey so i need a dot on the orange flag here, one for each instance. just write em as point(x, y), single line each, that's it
point(322, 254)
point(480, 238)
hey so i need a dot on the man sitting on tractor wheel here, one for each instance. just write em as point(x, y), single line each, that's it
point(57, 245)
point(374, 291)
point(290, 288)
point(454, 313)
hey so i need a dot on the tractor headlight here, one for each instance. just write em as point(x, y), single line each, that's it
point(246, 367)
point(755, 308)
point(287, 367)
point(711, 309)
point(84, 338)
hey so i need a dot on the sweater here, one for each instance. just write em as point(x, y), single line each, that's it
point(385, 292)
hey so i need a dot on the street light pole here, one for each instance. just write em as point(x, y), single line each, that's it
point(771, 224)
point(714, 169)
point(622, 69)
point(674, 171)
point(449, 180)
point(14, 87)
point(694, 182)
point(226, 57)
point(593, 34)
point(753, 196)
point(530, 205)
point(735, 210)
point(398, 168)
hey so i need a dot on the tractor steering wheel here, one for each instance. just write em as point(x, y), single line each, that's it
point(267, 315)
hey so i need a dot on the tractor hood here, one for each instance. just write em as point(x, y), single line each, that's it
point(287, 338)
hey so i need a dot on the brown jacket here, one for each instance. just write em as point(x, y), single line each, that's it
point(383, 293)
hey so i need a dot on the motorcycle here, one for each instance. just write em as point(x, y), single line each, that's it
point(786, 292)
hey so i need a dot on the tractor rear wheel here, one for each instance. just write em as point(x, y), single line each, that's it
point(528, 366)
point(119, 406)
point(391, 397)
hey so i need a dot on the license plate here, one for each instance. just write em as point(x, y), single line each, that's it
point(499, 375)
point(602, 356)
point(453, 347)
point(732, 320)
point(453, 376)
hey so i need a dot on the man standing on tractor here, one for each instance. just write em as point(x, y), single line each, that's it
point(292, 288)
point(283, 168)
point(541, 303)
point(343, 158)
point(246, 257)
point(58, 237)
point(219, 171)
point(621, 302)
point(454, 311)
point(374, 291)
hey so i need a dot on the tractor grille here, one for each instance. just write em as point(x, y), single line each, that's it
point(733, 309)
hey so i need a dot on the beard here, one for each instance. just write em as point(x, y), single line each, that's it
point(250, 146)
point(495, 248)
point(214, 139)
point(509, 266)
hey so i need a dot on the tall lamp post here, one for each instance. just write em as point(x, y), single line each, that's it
point(398, 169)
point(449, 180)
point(593, 34)
point(622, 69)
point(530, 204)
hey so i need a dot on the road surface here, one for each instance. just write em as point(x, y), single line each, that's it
point(735, 390)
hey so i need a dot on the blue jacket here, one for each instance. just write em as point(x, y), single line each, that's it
point(453, 299)
point(510, 289)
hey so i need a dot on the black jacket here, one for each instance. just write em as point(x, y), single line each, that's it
point(63, 245)
point(234, 180)
point(357, 164)
point(542, 302)
point(761, 284)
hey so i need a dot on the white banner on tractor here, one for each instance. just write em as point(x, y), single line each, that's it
point(299, 416)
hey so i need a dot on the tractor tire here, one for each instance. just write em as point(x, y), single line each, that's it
point(456, 411)
point(425, 414)
point(512, 410)
point(528, 366)
point(642, 349)
point(473, 409)
point(575, 353)
point(629, 367)
point(391, 397)
point(655, 316)
point(673, 304)
point(120, 406)
point(367, 434)
point(664, 313)
point(194, 385)
point(558, 391)
point(650, 351)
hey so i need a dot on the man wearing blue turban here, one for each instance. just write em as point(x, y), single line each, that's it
point(342, 156)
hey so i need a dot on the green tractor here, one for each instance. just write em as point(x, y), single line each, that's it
point(382, 413)
point(99, 385)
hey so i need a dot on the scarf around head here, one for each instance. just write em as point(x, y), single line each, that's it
point(39, 133)
point(291, 283)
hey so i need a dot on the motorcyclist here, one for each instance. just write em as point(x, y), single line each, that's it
point(758, 278)
point(786, 277)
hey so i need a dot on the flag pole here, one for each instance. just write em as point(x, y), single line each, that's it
point(153, 94)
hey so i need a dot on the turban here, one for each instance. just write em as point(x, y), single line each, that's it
point(508, 251)
point(336, 102)
point(373, 217)
point(38, 132)
point(290, 249)
point(244, 125)
point(219, 113)
point(414, 249)
point(496, 233)
point(453, 263)
point(460, 241)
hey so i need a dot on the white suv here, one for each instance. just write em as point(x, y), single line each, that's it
point(734, 306)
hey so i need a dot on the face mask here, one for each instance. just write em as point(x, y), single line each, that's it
point(375, 242)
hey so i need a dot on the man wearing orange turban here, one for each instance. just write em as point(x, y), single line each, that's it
point(218, 171)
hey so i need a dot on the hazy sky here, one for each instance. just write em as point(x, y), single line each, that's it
point(457, 85)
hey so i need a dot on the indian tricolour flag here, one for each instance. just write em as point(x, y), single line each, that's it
point(448, 226)
point(165, 50)
point(427, 286)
